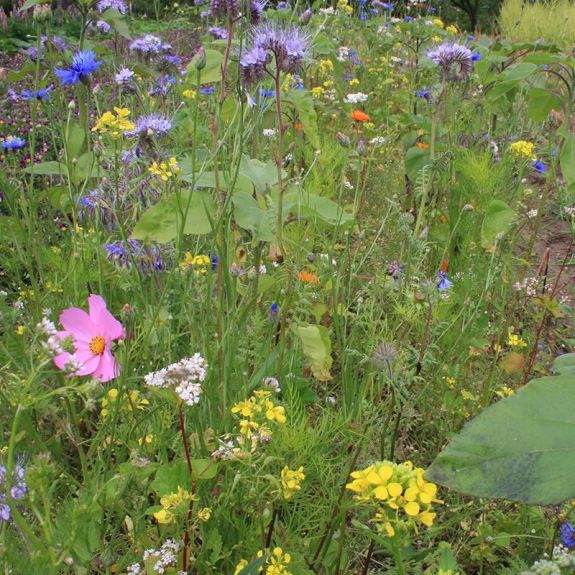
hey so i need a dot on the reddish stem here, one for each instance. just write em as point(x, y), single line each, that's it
point(191, 508)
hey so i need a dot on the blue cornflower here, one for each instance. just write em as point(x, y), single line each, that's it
point(13, 143)
point(267, 93)
point(431, 9)
point(471, 38)
point(424, 93)
point(567, 532)
point(539, 166)
point(83, 64)
point(209, 91)
point(214, 258)
point(408, 19)
point(444, 283)
point(476, 57)
point(298, 82)
point(273, 311)
point(35, 95)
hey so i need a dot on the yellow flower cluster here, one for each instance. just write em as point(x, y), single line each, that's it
point(276, 564)
point(318, 91)
point(291, 481)
point(513, 340)
point(399, 490)
point(200, 264)
point(129, 401)
point(451, 29)
point(523, 149)
point(325, 67)
point(165, 170)
point(114, 124)
point(344, 6)
point(438, 22)
point(189, 94)
point(172, 505)
point(257, 412)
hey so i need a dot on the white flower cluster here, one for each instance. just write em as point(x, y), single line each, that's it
point(270, 132)
point(342, 53)
point(570, 211)
point(529, 285)
point(166, 556)
point(377, 141)
point(563, 562)
point(184, 377)
point(273, 383)
point(357, 98)
point(226, 451)
point(53, 344)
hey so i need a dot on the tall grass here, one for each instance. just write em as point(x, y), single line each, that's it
point(552, 21)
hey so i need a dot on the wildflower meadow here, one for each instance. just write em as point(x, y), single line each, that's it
point(286, 288)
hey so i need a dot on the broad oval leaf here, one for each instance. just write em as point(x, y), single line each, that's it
point(521, 448)
point(498, 218)
point(317, 349)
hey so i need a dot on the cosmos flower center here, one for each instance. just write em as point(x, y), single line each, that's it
point(97, 345)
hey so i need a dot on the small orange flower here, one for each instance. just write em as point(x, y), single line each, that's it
point(422, 145)
point(359, 116)
point(298, 126)
point(308, 278)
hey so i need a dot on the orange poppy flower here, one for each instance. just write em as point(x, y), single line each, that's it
point(308, 278)
point(359, 116)
point(298, 126)
point(422, 145)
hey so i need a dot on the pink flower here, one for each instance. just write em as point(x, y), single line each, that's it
point(93, 335)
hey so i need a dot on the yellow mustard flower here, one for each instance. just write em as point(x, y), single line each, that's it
point(165, 169)
point(514, 340)
point(189, 94)
point(200, 263)
point(114, 124)
point(523, 149)
point(290, 480)
point(204, 514)
point(318, 91)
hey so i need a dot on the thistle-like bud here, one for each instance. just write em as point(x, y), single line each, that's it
point(343, 139)
point(361, 147)
point(200, 59)
point(306, 16)
point(42, 12)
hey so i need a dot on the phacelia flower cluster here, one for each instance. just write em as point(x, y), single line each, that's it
point(118, 5)
point(400, 494)
point(288, 46)
point(18, 488)
point(455, 61)
point(149, 45)
point(183, 377)
point(151, 125)
point(126, 254)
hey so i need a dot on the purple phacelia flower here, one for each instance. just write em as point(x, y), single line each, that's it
point(455, 61)
point(124, 76)
point(146, 258)
point(149, 45)
point(218, 33)
point(118, 5)
point(151, 125)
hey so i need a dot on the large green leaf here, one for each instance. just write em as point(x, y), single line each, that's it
point(415, 160)
point(51, 168)
point(250, 216)
point(304, 106)
point(117, 21)
point(254, 567)
point(498, 218)
point(263, 175)
point(162, 222)
point(541, 102)
point(317, 349)
point(303, 204)
point(171, 476)
point(213, 69)
point(522, 448)
point(567, 159)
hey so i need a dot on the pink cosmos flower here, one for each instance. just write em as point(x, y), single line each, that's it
point(92, 336)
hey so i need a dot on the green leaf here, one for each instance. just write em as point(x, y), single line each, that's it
point(301, 203)
point(117, 21)
point(541, 102)
point(51, 168)
point(303, 103)
point(208, 180)
point(497, 220)
point(29, 4)
point(565, 364)
point(162, 222)
point(75, 141)
point(522, 448)
point(263, 175)
point(317, 349)
point(415, 160)
point(203, 469)
point(171, 476)
point(519, 72)
point(250, 216)
point(253, 568)
point(213, 70)
point(567, 159)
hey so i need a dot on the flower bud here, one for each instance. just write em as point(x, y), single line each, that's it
point(361, 148)
point(41, 13)
point(343, 139)
point(306, 16)
point(200, 59)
